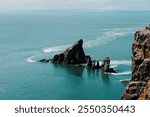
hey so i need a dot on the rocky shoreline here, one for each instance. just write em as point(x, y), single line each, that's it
point(139, 86)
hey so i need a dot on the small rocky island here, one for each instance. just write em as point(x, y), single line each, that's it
point(139, 86)
point(72, 55)
point(75, 55)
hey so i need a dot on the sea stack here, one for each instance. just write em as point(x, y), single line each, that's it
point(72, 55)
point(139, 86)
point(106, 66)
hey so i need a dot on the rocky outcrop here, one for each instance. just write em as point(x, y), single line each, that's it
point(44, 60)
point(89, 63)
point(93, 64)
point(96, 65)
point(138, 87)
point(145, 95)
point(106, 66)
point(72, 55)
point(75, 55)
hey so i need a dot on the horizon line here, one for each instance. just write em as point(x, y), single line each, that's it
point(94, 10)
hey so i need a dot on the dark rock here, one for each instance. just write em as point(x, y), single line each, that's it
point(147, 27)
point(44, 60)
point(111, 70)
point(81, 66)
point(61, 58)
point(89, 63)
point(106, 66)
point(92, 64)
point(55, 58)
point(95, 65)
point(87, 57)
point(72, 55)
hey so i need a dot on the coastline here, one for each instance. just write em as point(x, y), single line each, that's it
point(139, 86)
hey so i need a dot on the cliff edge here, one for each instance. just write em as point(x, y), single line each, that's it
point(139, 86)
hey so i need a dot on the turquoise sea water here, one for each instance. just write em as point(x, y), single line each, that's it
point(26, 37)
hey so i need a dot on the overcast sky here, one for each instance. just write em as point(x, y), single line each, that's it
point(75, 4)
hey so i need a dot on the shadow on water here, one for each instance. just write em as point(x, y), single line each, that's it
point(71, 69)
point(105, 77)
point(78, 71)
point(93, 73)
point(98, 74)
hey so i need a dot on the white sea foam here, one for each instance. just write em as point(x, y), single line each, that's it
point(130, 30)
point(120, 62)
point(108, 35)
point(120, 74)
point(113, 66)
point(115, 63)
point(55, 48)
point(30, 59)
point(125, 80)
point(103, 39)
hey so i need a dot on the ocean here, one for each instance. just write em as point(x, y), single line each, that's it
point(28, 36)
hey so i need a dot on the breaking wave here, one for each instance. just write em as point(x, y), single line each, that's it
point(120, 62)
point(103, 39)
point(55, 49)
point(115, 63)
point(31, 59)
point(125, 80)
point(108, 35)
point(113, 66)
point(120, 74)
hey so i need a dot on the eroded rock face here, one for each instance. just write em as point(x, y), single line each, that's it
point(89, 63)
point(145, 95)
point(140, 65)
point(72, 55)
point(106, 66)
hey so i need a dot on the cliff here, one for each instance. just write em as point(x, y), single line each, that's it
point(139, 86)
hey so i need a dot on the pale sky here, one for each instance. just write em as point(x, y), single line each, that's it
point(75, 4)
